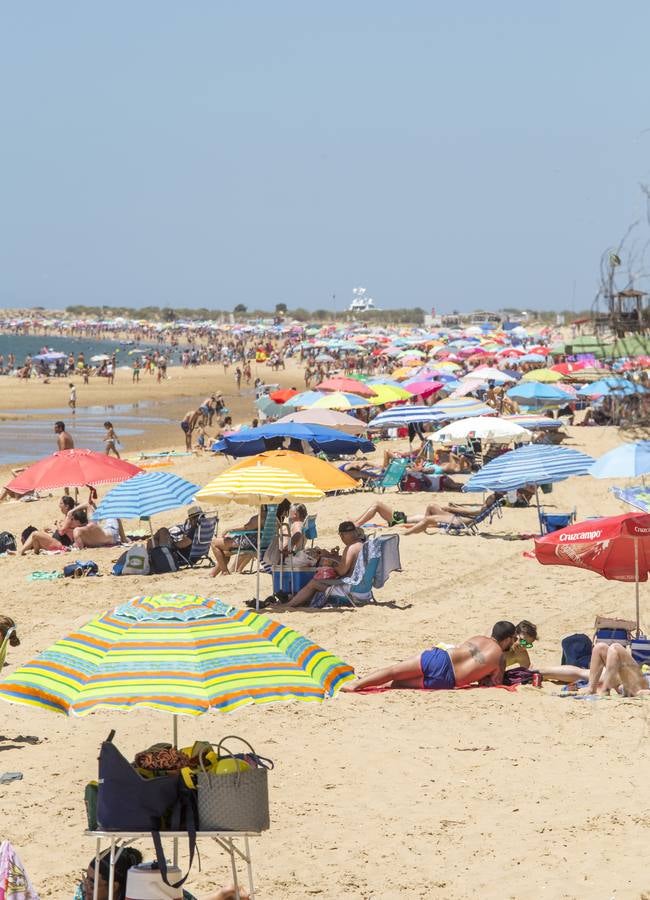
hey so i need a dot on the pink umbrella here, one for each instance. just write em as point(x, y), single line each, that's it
point(72, 468)
point(423, 388)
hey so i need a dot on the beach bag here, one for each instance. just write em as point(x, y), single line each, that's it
point(129, 802)
point(7, 541)
point(517, 675)
point(237, 801)
point(134, 561)
point(161, 560)
point(272, 556)
point(81, 569)
point(576, 650)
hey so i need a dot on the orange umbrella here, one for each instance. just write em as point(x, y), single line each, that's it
point(318, 472)
point(283, 395)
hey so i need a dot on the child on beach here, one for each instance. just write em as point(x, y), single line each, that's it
point(72, 402)
point(201, 437)
point(111, 440)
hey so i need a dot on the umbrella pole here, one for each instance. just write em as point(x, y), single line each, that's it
point(175, 740)
point(259, 541)
point(539, 509)
point(636, 584)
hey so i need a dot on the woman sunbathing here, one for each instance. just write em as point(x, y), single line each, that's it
point(434, 515)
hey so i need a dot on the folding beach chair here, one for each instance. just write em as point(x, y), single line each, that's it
point(392, 476)
point(247, 540)
point(378, 558)
point(201, 543)
point(556, 521)
point(471, 525)
point(309, 530)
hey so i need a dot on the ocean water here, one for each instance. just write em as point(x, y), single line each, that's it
point(25, 440)
point(29, 345)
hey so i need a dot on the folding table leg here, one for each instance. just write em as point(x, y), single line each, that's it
point(249, 865)
point(233, 866)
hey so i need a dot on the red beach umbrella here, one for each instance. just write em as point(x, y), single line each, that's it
point(283, 395)
point(347, 385)
point(616, 547)
point(72, 468)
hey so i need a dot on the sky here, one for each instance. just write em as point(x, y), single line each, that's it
point(210, 153)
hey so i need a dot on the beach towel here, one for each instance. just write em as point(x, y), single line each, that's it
point(14, 883)
point(381, 688)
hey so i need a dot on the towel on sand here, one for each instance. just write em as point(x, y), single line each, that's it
point(14, 883)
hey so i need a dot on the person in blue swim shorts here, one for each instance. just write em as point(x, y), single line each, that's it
point(479, 660)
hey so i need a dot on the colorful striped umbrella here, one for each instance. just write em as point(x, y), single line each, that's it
point(339, 400)
point(176, 653)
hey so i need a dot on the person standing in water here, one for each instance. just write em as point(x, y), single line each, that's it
point(111, 440)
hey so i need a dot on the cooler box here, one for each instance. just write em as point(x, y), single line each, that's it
point(290, 582)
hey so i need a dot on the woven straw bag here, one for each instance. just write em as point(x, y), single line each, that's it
point(233, 802)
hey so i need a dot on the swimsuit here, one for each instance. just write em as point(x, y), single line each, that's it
point(437, 670)
point(398, 518)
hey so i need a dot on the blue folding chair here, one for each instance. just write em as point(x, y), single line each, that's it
point(470, 526)
point(392, 476)
point(556, 521)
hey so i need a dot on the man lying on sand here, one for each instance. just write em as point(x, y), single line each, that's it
point(478, 659)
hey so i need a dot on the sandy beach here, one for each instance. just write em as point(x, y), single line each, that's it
point(406, 794)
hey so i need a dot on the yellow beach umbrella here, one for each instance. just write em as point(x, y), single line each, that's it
point(545, 376)
point(258, 486)
point(389, 393)
point(316, 471)
point(402, 372)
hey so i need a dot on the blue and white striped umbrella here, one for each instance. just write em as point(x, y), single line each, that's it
point(145, 495)
point(402, 415)
point(462, 408)
point(533, 464)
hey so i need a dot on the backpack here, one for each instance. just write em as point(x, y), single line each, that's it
point(7, 541)
point(162, 560)
point(134, 561)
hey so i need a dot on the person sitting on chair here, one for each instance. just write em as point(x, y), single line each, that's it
point(178, 536)
point(342, 564)
point(479, 660)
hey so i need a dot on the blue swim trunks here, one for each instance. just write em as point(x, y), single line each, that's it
point(437, 670)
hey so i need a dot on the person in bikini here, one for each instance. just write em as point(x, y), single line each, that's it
point(479, 660)
point(433, 516)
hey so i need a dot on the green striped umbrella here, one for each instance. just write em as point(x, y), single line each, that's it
point(178, 653)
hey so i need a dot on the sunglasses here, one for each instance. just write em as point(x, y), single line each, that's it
point(524, 643)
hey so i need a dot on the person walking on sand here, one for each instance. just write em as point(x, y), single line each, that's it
point(111, 440)
point(238, 379)
point(63, 439)
point(479, 660)
point(110, 371)
point(136, 370)
point(72, 402)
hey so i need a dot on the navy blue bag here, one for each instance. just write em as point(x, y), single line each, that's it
point(576, 650)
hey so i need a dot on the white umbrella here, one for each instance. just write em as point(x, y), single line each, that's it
point(488, 373)
point(485, 428)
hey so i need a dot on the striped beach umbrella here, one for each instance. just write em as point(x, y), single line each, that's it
point(397, 416)
point(533, 464)
point(257, 486)
point(145, 495)
point(177, 653)
point(340, 401)
point(462, 408)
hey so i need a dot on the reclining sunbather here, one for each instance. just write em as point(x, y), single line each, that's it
point(478, 659)
point(434, 515)
point(613, 669)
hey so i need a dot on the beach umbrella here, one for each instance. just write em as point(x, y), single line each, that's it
point(72, 468)
point(462, 408)
point(534, 422)
point(316, 471)
point(305, 398)
point(321, 439)
point(100, 357)
point(340, 401)
point(330, 418)
point(485, 428)
point(177, 653)
point(258, 486)
point(398, 416)
point(386, 393)
point(283, 395)
point(488, 373)
point(625, 461)
point(423, 388)
point(145, 495)
point(606, 386)
point(534, 464)
point(346, 385)
point(537, 394)
point(616, 547)
point(51, 356)
point(546, 376)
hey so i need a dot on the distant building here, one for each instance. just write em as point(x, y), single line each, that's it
point(361, 302)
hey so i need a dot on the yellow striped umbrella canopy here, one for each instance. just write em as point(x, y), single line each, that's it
point(180, 654)
point(258, 485)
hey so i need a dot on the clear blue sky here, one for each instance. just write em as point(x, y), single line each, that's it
point(208, 153)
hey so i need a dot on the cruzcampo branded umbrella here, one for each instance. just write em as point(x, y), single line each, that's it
point(72, 468)
point(625, 461)
point(616, 547)
point(145, 495)
point(180, 654)
point(313, 469)
point(257, 486)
